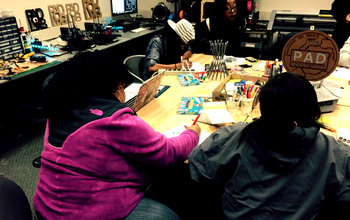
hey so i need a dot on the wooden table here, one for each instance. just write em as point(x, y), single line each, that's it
point(160, 113)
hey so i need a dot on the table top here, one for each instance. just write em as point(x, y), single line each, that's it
point(160, 113)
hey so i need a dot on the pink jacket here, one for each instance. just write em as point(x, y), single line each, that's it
point(103, 168)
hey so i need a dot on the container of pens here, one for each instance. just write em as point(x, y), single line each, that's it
point(273, 68)
point(218, 69)
point(248, 97)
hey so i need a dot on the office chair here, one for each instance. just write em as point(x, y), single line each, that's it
point(135, 65)
point(14, 203)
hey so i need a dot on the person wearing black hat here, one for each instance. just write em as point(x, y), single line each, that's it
point(171, 50)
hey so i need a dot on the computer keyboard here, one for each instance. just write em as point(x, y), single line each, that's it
point(137, 30)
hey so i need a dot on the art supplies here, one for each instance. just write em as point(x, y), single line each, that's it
point(218, 69)
point(190, 106)
point(187, 80)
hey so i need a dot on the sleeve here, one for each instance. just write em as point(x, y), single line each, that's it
point(216, 158)
point(344, 59)
point(339, 11)
point(153, 54)
point(137, 140)
point(343, 194)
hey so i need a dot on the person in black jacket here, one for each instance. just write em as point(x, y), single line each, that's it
point(341, 12)
point(226, 22)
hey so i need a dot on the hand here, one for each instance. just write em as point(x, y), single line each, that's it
point(195, 128)
point(186, 55)
point(347, 19)
point(186, 64)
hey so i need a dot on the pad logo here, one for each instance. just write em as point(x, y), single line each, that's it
point(96, 112)
point(36, 19)
point(91, 9)
point(58, 14)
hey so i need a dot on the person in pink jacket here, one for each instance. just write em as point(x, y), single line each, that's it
point(99, 156)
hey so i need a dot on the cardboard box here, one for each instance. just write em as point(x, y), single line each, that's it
point(219, 95)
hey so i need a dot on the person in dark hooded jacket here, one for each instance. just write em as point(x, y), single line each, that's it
point(279, 166)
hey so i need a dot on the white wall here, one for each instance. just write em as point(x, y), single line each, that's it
point(264, 6)
point(18, 8)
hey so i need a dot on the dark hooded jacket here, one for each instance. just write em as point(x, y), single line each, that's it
point(281, 174)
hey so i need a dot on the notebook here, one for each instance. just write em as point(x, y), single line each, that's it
point(145, 94)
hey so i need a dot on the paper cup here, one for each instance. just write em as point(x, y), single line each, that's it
point(246, 106)
point(232, 108)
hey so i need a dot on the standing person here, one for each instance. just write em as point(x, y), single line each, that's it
point(98, 156)
point(226, 22)
point(171, 50)
point(279, 166)
point(344, 56)
point(341, 12)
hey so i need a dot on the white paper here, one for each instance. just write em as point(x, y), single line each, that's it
point(174, 132)
point(341, 73)
point(133, 88)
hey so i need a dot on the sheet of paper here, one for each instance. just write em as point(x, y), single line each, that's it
point(197, 67)
point(133, 88)
point(176, 131)
point(129, 95)
point(219, 116)
point(342, 73)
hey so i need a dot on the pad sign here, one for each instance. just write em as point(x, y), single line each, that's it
point(311, 54)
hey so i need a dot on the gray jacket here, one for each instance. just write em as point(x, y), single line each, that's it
point(282, 177)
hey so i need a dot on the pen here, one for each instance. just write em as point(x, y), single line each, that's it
point(195, 120)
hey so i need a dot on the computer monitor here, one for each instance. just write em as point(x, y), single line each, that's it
point(122, 9)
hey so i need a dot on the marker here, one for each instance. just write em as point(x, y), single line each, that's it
point(195, 120)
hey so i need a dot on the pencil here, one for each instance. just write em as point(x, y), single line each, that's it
point(195, 120)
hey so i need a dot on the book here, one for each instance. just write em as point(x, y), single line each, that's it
point(190, 106)
point(187, 79)
point(176, 131)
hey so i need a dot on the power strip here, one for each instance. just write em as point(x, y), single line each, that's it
point(174, 72)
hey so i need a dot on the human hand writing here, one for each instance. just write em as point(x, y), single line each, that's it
point(195, 128)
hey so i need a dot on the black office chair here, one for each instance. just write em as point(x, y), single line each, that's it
point(135, 65)
point(37, 161)
point(14, 203)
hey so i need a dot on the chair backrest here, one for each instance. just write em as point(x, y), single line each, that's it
point(13, 201)
point(135, 65)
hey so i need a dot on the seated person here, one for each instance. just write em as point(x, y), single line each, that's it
point(171, 50)
point(279, 166)
point(98, 156)
point(344, 57)
point(226, 22)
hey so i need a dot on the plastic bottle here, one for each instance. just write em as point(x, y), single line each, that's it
point(25, 41)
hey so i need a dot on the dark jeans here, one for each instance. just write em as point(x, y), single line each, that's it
point(149, 209)
point(174, 188)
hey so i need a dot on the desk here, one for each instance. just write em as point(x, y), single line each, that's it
point(160, 113)
point(26, 87)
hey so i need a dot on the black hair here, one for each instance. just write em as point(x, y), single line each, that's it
point(285, 99)
point(218, 10)
point(174, 42)
point(86, 74)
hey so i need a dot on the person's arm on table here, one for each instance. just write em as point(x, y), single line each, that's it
point(143, 144)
